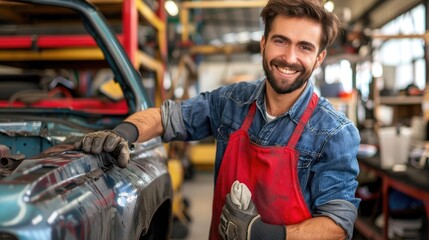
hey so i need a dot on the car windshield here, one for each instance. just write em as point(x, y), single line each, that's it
point(49, 61)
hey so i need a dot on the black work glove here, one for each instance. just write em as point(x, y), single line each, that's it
point(113, 141)
point(235, 223)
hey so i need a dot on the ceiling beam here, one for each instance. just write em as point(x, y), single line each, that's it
point(186, 6)
point(224, 4)
point(365, 16)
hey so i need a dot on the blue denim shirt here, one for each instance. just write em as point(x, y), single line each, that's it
point(327, 166)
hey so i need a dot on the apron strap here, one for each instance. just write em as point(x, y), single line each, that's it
point(249, 118)
point(303, 121)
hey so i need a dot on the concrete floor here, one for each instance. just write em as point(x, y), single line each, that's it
point(199, 192)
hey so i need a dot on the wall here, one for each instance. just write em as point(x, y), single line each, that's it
point(220, 71)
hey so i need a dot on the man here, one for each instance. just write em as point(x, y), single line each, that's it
point(292, 151)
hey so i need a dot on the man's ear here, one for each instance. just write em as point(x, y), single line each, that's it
point(320, 58)
point(262, 45)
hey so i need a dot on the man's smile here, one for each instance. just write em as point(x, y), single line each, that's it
point(286, 70)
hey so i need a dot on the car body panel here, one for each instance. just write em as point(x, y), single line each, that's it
point(71, 195)
point(50, 191)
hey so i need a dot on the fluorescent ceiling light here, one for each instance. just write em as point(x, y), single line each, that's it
point(329, 5)
point(171, 8)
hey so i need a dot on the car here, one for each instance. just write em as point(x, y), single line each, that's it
point(65, 73)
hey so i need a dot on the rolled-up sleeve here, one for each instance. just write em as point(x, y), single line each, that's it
point(192, 119)
point(172, 121)
point(341, 212)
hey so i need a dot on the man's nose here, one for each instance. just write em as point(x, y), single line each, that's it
point(290, 55)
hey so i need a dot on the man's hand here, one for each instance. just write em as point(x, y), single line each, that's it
point(235, 223)
point(107, 141)
point(240, 220)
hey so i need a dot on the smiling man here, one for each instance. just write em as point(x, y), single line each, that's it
point(288, 147)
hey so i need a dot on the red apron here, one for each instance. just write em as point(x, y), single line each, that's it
point(270, 173)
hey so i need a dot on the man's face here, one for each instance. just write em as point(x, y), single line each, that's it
point(291, 52)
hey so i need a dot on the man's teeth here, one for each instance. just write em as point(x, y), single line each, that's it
point(286, 70)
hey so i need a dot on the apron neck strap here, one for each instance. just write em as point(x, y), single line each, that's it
point(249, 118)
point(303, 121)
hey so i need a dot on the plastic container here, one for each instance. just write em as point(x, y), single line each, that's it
point(394, 145)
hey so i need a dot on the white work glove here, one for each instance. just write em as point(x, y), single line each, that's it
point(240, 195)
point(240, 219)
point(238, 214)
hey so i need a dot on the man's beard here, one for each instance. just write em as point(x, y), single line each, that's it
point(299, 81)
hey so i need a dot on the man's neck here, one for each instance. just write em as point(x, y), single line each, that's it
point(278, 104)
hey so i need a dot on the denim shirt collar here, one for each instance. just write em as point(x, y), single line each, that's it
point(297, 109)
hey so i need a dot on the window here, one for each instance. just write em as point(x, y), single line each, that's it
point(340, 72)
point(403, 59)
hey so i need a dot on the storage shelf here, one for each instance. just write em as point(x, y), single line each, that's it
point(44, 47)
point(349, 104)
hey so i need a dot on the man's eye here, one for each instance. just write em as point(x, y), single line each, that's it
point(307, 48)
point(278, 40)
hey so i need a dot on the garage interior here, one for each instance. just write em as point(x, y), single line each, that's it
point(377, 61)
point(376, 72)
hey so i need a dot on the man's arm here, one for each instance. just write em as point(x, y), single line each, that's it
point(316, 228)
point(148, 123)
point(245, 224)
point(241, 220)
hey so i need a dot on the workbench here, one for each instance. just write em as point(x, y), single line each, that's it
point(412, 181)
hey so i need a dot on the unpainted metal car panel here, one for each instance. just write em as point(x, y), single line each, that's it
point(71, 195)
point(51, 191)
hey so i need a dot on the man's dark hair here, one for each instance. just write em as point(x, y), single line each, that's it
point(312, 9)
